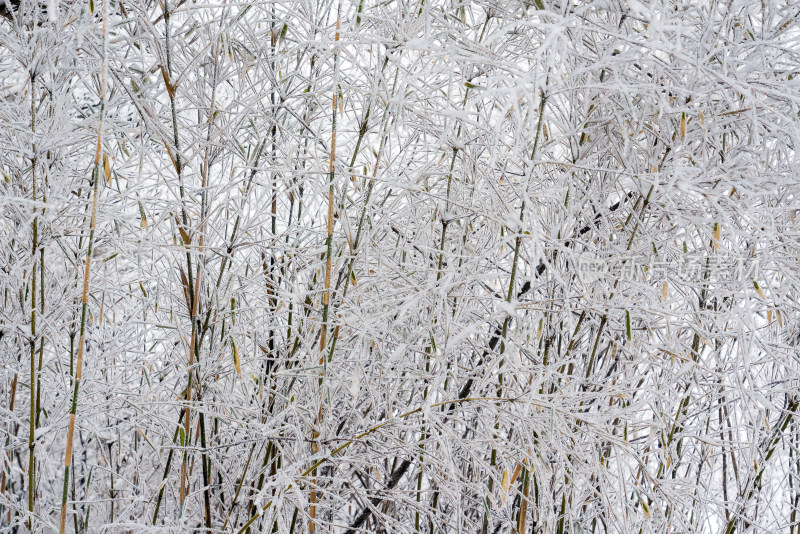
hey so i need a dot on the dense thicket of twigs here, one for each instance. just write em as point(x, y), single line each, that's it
point(332, 282)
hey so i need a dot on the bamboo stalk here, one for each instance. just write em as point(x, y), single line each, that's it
point(8, 458)
point(770, 446)
point(96, 178)
point(312, 500)
point(41, 341)
point(166, 468)
point(197, 332)
point(193, 291)
point(444, 224)
point(370, 186)
point(507, 320)
point(523, 506)
point(33, 384)
point(331, 179)
point(239, 487)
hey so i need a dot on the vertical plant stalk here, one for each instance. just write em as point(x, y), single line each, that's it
point(8, 458)
point(349, 275)
point(191, 291)
point(33, 386)
point(523, 504)
point(96, 177)
point(41, 341)
point(768, 446)
point(331, 178)
point(326, 295)
point(445, 220)
point(197, 332)
point(507, 320)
